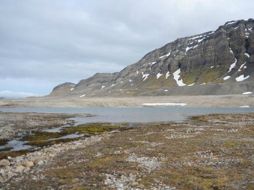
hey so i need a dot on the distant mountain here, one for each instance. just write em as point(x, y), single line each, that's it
point(217, 62)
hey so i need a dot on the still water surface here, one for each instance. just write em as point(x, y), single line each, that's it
point(133, 114)
point(118, 115)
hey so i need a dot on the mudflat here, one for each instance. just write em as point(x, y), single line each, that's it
point(192, 101)
point(204, 152)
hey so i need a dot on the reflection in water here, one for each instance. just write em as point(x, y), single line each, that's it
point(15, 145)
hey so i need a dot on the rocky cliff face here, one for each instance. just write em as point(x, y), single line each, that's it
point(217, 62)
point(61, 89)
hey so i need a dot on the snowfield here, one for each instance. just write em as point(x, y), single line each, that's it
point(245, 106)
point(247, 93)
point(164, 104)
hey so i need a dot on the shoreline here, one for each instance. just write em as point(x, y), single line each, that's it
point(190, 101)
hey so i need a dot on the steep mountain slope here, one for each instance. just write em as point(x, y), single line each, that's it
point(218, 62)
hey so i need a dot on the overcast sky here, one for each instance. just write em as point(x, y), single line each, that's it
point(47, 42)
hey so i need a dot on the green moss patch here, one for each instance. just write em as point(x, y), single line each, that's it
point(190, 77)
point(40, 138)
point(49, 142)
point(207, 75)
point(90, 129)
point(202, 118)
point(153, 83)
point(212, 75)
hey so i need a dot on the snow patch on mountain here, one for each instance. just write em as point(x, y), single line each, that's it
point(230, 22)
point(226, 77)
point(242, 67)
point(152, 63)
point(166, 55)
point(158, 75)
point(167, 75)
point(200, 38)
point(232, 66)
point(241, 78)
point(247, 55)
point(191, 84)
point(191, 48)
point(177, 78)
point(144, 76)
point(248, 31)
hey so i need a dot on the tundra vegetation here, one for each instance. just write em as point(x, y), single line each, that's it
point(205, 152)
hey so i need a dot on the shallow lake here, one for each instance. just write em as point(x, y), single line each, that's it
point(133, 114)
point(119, 115)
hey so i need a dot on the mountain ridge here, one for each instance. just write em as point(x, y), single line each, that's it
point(214, 62)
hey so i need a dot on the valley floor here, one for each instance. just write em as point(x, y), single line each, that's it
point(192, 101)
point(204, 152)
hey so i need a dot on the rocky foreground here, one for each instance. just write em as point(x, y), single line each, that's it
point(205, 152)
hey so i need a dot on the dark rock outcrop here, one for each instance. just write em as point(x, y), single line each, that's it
point(218, 62)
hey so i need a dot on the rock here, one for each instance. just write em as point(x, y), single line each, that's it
point(28, 164)
point(4, 163)
point(40, 162)
point(19, 169)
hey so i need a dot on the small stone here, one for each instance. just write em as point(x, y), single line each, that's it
point(28, 164)
point(4, 163)
point(40, 162)
point(19, 169)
